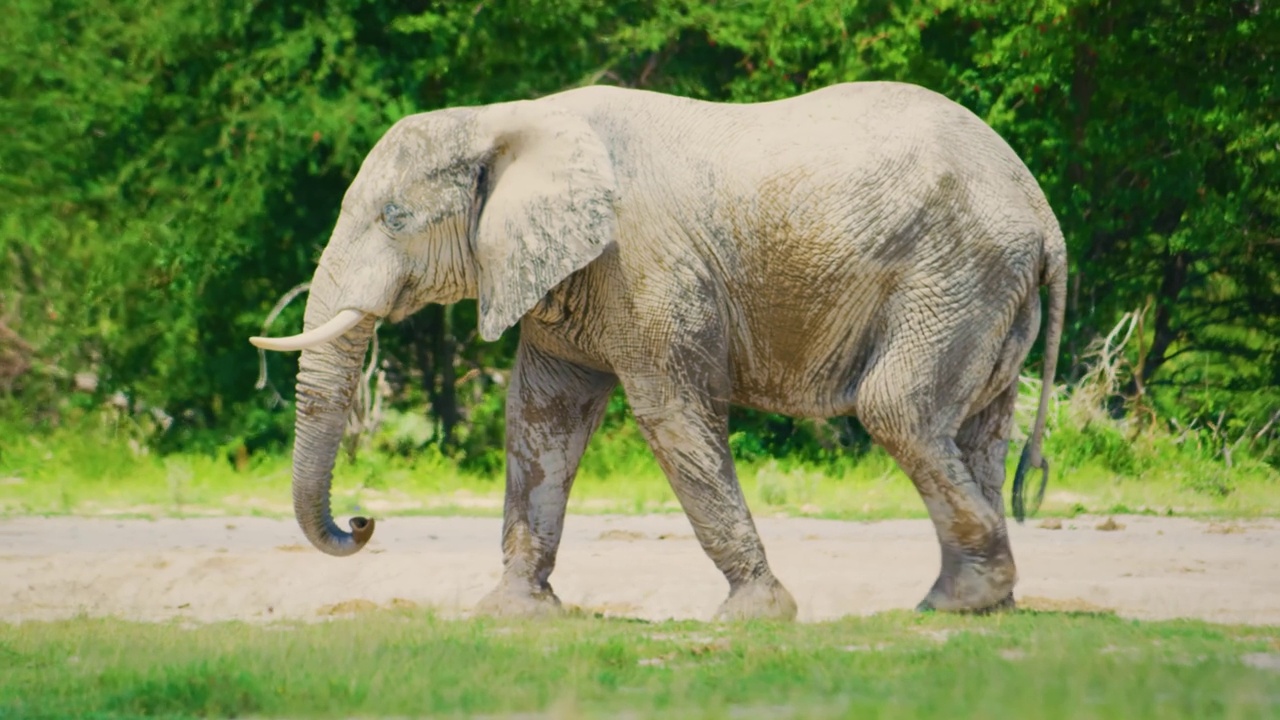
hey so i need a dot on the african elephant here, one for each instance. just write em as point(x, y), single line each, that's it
point(868, 249)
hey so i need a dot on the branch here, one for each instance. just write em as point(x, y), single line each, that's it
point(15, 356)
point(649, 67)
point(281, 304)
point(1275, 416)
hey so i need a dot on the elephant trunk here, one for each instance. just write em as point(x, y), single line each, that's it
point(356, 282)
point(327, 379)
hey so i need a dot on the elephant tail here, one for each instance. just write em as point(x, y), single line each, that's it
point(1054, 274)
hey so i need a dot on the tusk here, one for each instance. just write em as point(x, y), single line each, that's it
point(335, 328)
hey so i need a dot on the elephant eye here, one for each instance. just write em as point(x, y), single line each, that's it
point(394, 217)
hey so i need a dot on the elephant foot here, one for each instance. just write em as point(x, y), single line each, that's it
point(973, 588)
point(1006, 605)
point(517, 601)
point(761, 599)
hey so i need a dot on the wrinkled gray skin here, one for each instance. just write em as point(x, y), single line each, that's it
point(870, 249)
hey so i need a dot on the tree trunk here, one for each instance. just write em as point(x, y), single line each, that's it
point(1164, 334)
point(1083, 87)
point(437, 354)
point(445, 351)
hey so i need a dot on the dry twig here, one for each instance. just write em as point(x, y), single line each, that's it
point(366, 407)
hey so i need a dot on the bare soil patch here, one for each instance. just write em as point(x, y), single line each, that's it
point(260, 569)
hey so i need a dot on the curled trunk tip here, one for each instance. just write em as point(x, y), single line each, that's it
point(330, 539)
point(361, 529)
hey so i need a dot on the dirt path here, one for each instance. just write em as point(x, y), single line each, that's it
point(648, 567)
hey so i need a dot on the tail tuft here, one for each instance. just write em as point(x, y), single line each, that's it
point(1025, 464)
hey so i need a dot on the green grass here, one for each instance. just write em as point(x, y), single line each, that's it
point(89, 470)
point(407, 663)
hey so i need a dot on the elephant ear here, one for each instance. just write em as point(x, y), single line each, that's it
point(546, 207)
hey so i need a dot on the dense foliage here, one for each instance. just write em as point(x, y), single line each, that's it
point(169, 168)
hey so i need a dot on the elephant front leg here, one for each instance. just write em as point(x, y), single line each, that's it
point(553, 407)
point(687, 428)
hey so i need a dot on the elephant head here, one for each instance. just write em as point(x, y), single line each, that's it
point(499, 203)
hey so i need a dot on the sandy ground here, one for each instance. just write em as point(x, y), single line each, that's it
point(648, 567)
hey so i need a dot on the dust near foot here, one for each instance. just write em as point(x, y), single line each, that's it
point(643, 567)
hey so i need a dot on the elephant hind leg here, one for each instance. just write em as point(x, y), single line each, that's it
point(984, 444)
point(912, 415)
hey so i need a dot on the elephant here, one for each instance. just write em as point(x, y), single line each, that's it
point(867, 249)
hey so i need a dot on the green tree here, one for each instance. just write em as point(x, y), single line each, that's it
point(169, 168)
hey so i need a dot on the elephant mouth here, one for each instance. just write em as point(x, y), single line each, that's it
point(336, 327)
